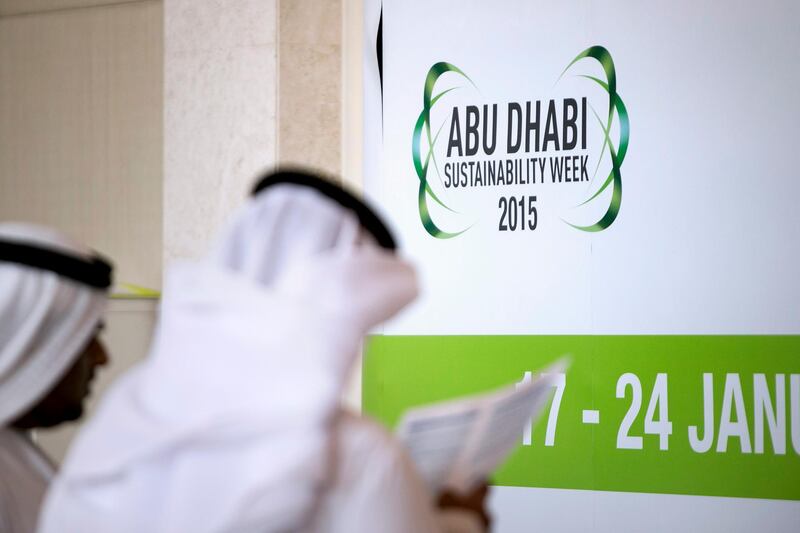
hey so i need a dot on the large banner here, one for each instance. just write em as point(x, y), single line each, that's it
point(615, 181)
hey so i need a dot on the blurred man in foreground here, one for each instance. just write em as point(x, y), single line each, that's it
point(52, 299)
point(233, 423)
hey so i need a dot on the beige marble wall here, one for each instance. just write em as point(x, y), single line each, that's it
point(352, 102)
point(248, 84)
point(352, 142)
point(310, 84)
point(80, 128)
point(220, 113)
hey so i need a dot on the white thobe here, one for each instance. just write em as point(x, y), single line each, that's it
point(375, 487)
point(25, 474)
point(229, 424)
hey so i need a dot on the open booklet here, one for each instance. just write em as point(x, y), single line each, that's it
point(458, 443)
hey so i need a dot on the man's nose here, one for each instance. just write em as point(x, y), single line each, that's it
point(100, 354)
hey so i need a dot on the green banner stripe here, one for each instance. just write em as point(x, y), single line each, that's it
point(756, 391)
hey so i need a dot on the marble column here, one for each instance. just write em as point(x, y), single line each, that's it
point(310, 84)
point(220, 108)
point(248, 84)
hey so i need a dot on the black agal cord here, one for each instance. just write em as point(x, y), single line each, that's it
point(94, 272)
point(366, 215)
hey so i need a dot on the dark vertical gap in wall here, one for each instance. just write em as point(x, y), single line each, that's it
point(379, 53)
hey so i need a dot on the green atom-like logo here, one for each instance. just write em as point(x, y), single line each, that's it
point(424, 123)
point(617, 152)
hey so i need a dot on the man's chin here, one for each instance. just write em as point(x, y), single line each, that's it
point(70, 414)
point(73, 413)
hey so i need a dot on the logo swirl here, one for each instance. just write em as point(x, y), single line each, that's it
point(424, 125)
point(615, 104)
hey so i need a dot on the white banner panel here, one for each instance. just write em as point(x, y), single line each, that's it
point(616, 181)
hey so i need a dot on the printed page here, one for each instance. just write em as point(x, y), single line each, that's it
point(507, 417)
point(460, 442)
point(436, 437)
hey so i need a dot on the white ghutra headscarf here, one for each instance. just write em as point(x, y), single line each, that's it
point(52, 298)
point(227, 425)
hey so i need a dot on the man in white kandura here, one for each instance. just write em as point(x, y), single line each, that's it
point(233, 422)
point(52, 299)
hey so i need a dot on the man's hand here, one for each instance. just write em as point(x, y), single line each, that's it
point(474, 501)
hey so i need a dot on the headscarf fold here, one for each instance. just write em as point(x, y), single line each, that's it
point(46, 319)
point(226, 425)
